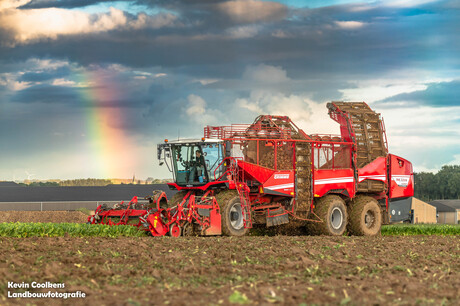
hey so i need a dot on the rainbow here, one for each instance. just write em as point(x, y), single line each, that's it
point(111, 151)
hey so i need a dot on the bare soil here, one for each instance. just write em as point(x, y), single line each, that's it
point(43, 216)
point(219, 270)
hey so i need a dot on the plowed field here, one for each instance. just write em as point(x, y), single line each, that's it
point(222, 270)
point(43, 216)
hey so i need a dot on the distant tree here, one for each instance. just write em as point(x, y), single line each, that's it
point(40, 184)
point(85, 182)
point(423, 185)
point(48, 184)
point(445, 184)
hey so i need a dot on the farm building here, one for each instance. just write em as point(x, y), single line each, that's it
point(423, 212)
point(412, 210)
point(448, 211)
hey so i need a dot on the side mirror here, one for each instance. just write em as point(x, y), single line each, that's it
point(161, 163)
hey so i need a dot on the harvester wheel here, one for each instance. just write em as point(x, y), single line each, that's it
point(332, 210)
point(187, 229)
point(232, 213)
point(365, 216)
point(175, 230)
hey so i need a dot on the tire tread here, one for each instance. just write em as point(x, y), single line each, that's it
point(224, 199)
point(321, 210)
point(355, 210)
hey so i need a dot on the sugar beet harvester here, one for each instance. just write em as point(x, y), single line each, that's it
point(271, 172)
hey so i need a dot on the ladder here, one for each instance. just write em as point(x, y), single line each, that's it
point(243, 192)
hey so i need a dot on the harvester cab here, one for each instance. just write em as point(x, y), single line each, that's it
point(193, 162)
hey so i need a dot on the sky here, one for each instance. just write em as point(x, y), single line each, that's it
point(89, 87)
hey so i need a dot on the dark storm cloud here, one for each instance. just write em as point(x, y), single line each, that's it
point(176, 3)
point(436, 95)
point(74, 97)
point(44, 93)
point(388, 39)
point(44, 76)
point(319, 56)
point(38, 4)
point(309, 45)
point(222, 12)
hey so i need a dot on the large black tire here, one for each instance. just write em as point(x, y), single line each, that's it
point(365, 216)
point(332, 211)
point(231, 213)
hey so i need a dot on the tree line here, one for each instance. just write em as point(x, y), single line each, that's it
point(85, 182)
point(443, 185)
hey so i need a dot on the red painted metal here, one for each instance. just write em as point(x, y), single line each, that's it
point(401, 177)
point(376, 170)
point(240, 182)
point(156, 225)
point(159, 221)
point(334, 180)
point(267, 183)
point(244, 131)
point(384, 131)
point(174, 230)
point(255, 172)
point(215, 226)
point(333, 160)
point(280, 182)
point(202, 188)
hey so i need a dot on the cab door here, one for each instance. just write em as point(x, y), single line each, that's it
point(213, 156)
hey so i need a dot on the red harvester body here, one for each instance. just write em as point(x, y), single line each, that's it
point(271, 172)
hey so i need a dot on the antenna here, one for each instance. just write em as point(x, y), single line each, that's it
point(178, 134)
